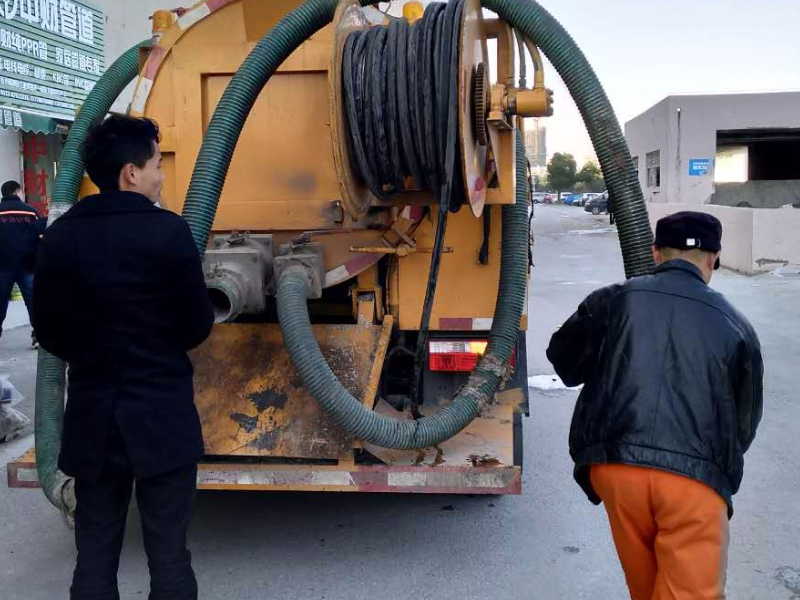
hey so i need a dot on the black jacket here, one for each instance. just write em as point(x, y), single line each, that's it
point(119, 294)
point(673, 379)
point(20, 228)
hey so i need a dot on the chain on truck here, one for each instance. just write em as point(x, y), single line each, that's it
point(360, 194)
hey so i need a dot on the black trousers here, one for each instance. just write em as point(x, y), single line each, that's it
point(165, 505)
point(8, 277)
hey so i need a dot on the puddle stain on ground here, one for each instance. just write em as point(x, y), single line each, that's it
point(790, 578)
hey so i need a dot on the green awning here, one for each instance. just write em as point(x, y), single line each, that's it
point(13, 118)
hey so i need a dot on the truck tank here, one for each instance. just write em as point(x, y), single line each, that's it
point(293, 189)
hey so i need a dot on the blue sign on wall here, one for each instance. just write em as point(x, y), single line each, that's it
point(699, 166)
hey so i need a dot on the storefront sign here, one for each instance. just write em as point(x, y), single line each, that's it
point(39, 155)
point(51, 54)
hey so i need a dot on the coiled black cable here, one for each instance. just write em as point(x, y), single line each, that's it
point(401, 101)
point(401, 93)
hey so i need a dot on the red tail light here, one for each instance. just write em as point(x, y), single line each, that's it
point(457, 356)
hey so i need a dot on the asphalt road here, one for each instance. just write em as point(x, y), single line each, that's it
point(548, 544)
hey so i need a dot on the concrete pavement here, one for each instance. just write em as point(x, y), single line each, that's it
point(548, 544)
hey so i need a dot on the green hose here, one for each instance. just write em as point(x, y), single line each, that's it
point(51, 372)
point(536, 23)
point(214, 161)
point(365, 424)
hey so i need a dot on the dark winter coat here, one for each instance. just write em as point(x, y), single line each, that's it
point(673, 379)
point(20, 228)
point(119, 294)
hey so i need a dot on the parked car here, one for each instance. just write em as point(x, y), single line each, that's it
point(538, 197)
point(589, 196)
point(572, 199)
point(597, 205)
point(562, 197)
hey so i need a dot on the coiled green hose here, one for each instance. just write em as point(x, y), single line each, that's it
point(365, 424)
point(51, 371)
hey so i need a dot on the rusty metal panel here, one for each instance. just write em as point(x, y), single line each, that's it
point(486, 442)
point(252, 402)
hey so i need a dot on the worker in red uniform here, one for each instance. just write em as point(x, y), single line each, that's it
point(20, 230)
point(672, 397)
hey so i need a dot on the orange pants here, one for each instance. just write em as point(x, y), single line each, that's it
point(671, 532)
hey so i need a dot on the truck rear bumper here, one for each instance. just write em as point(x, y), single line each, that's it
point(315, 478)
point(377, 478)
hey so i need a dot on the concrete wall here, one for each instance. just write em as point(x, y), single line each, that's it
point(685, 128)
point(753, 240)
point(776, 237)
point(758, 194)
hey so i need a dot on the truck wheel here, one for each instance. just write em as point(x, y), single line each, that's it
point(595, 210)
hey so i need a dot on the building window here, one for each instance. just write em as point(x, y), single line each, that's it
point(636, 165)
point(654, 169)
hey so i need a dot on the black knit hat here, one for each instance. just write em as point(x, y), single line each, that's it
point(689, 230)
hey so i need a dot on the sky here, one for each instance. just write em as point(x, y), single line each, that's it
point(644, 51)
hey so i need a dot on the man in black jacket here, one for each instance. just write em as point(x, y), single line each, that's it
point(20, 229)
point(672, 397)
point(120, 295)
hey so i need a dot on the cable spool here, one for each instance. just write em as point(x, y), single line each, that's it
point(400, 91)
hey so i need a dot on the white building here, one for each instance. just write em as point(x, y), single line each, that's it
point(736, 156)
point(536, 142)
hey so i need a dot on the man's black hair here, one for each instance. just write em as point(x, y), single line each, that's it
point(10, 188)
point(114, 143)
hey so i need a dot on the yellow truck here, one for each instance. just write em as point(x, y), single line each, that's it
point(360, 193)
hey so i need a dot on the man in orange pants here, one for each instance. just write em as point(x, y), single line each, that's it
point(672, 399)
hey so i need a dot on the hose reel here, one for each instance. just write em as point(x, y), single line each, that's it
point(392, 87)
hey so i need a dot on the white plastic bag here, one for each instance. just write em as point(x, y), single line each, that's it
point(12, 422)
point(9, 395)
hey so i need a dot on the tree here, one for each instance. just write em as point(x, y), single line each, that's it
point(590, 178)
point(561, 172)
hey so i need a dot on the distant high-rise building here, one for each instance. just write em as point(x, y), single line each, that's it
point(536, 142)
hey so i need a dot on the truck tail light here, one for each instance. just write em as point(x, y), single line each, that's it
point(457, 356)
